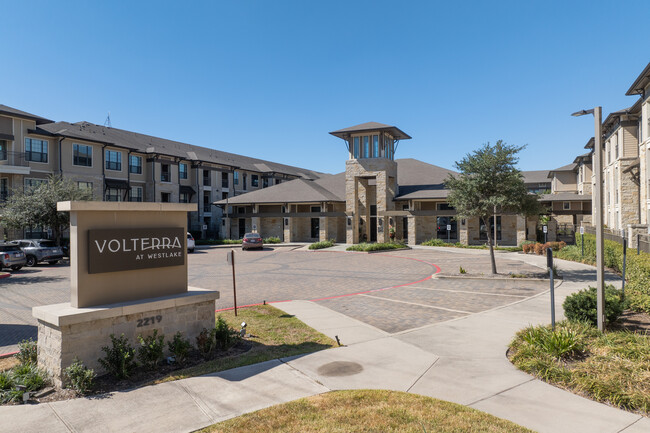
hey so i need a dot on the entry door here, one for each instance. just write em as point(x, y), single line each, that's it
point(315, 228)
point(405, 228)
point(373, 229)
point(242, 227)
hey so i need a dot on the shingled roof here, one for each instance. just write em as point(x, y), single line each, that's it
point(14, 112)
point(416, 180)
point(155, 145)
point(371, 126)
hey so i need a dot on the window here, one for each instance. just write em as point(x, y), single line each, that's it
point(135, 193)
point(244, 181)
point(235, 176)
point(315, 208)
point(113, 194)
point(356, 147)
point(165, 197)
point(278, 181)
point(85, 185)
point(82, 155)
point(375, 146)
point(182, 170)
point(207, 206)
point(255, 180)
point(206, 178)
point(265, 182)
point(165, 176)
point(184, 197)
point(34, 183)
point(444, 206)
point(224, 180)
point(35, 150)
point(3, 150)
point(135, 164)
point(483, 233)
point(224, 195)
point(113, 160)
point(442, 223)
point(566, 205)
point(4, 190)
point(366, 147)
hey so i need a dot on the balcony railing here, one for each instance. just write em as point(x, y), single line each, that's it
point(13, 158)
point(165, 177)
point(207, 208)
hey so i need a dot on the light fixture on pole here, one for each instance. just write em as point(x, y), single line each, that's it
point(598, 198)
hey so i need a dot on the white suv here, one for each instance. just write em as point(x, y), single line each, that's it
point(190, 243)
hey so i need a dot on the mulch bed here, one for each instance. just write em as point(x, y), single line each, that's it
point(141, 377)
point(633, 322)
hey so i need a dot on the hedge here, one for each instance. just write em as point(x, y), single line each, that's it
point(637, 286)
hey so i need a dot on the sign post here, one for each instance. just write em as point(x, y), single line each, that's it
point(549, 264)
point(230, 258)
point(624, 263)
point(448, 232)
point(582, 240)
point(545, 230)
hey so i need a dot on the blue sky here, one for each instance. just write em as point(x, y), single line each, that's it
point(270, 79)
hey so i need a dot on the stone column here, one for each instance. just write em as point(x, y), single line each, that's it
point(463, 231)
point(255, 225)
point(632, 231)
point(412, 230)
point(551, 236)
point(288, 223)
point(225, 228)
point(531, 223)
point(323, 229)
point(521, 229)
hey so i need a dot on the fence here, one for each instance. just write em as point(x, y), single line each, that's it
point(609, 234)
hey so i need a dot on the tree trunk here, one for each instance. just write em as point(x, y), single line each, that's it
point(486, 221)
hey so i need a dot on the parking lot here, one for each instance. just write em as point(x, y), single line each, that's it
point(392, 291)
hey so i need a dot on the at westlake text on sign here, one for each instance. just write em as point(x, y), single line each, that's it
point(128, 249)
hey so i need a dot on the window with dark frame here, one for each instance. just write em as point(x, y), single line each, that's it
point(135, 164)
point(182, 170)
point(255, 180)
point(36, 150)
point(135, 194)
point(82, 155)
point(165, 197)
point(224, 180)
point(165, 175)
point(483, 233)
point(113, 194)
point(113, 160)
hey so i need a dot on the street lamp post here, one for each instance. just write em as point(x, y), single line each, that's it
point(598, 197)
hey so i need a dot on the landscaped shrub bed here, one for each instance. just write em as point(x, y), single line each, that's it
point(377, 246)
point(435, 242)
point(322, 244)
point(273, 240)
point(218, 241)
point(539, 248)
point(23, 378)
point(637, 286)
point(611, 367)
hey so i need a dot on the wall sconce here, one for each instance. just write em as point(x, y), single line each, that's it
point(462, 222)
point(286, 221)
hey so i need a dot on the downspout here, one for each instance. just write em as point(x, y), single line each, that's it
point(153, 176)
point(104, 172)
point(60, 167)
point(128, 175)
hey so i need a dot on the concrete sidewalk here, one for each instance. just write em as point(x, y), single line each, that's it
point(461, 360)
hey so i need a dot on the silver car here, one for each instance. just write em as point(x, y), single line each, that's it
point(40, 250)
point(11, 256)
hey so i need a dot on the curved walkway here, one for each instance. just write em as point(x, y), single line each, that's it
point(461, 360)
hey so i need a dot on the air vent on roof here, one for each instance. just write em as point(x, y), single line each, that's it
point(151, 149)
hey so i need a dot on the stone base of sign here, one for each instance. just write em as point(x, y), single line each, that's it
point(65, 332)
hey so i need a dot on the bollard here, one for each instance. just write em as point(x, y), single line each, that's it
point(624, 263)
point(549, 264)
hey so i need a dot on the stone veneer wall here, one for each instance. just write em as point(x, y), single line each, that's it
point(83, 339)
point(270, 227)
point(629, 196)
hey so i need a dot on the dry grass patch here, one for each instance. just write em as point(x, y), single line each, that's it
point(274, 334)
point(612, 368)
point(8, 362)
point(367, 411)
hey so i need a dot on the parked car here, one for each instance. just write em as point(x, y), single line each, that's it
point(190, 243)
point(11, 256)
point(40, 250)
point(252, 240)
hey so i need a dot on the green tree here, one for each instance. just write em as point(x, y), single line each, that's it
point(490, 184)
point(36, 206)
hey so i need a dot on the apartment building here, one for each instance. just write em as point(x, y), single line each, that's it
point(119, 165)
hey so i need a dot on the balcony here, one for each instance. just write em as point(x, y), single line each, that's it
point(207, 208)
point(13, 162)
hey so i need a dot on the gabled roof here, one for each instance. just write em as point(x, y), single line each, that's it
point(371, 126)
point(568, 167)
point(14, 112)
point(565, 196)
point(154, 145)
point(416, 180)
point(640, 83)
point(590, 144)
point(327, 188)
point(535, 176)
point(585, 157)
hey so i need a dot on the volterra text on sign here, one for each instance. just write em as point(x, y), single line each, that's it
point(137, 244)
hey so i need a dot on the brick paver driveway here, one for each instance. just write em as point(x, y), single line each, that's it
point(392, 291)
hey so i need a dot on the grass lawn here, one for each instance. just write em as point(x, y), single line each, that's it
point(367, 411)
point(613, 367)
point(274, 334)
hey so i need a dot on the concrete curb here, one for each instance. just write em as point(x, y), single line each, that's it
point(4, 275)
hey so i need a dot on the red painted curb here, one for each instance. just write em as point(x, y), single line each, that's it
point(357, 293)
point(7, 355)
point(5, 275)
